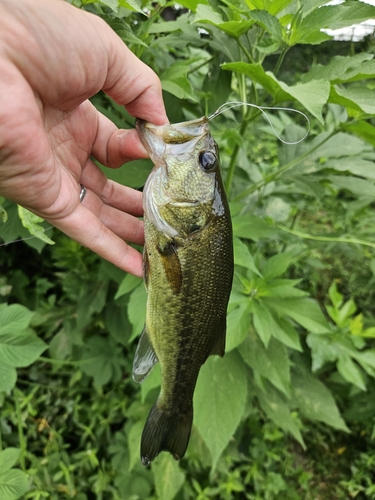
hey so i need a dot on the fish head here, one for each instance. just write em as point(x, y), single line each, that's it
point(187, 156)
point(186, 166)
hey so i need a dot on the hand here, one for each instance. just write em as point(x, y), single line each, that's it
point(53, 57)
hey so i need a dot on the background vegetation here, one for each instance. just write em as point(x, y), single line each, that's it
point(289, 411)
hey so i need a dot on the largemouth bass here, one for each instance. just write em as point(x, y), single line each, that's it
point(188, 271)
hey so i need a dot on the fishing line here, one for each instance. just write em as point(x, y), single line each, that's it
point(23, 239)
point(235, 104)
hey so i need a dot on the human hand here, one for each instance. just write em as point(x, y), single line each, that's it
point(53, 57)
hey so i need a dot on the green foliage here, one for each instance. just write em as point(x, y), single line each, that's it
point(271, 417)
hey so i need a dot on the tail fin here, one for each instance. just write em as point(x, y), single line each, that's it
point(165, 432)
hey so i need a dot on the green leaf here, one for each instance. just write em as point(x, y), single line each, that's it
point(102, 360)
point(13, 484)
point(175, 81)
point(20, 349)
point(342, 69)
point(134, 438)
point(206, 15)
point(362, 168)
point(351, 372)
point(251, 227)
point(31, 222)
point(277, 409)
point(243, 257)
point(168, 476)
point(8, 458)
point(269, 23)
point(131, 5)
point(315, 401)
point(8, 377)
point(137, 311)
point(14, 319)
point(152, 381)
point(271, 362)
point(277, 265)
point(219, 401)
point(312, 95)
point(304, 311)
point(332, 17)
point(238, 325)
point(271, 6)
point(361, 98)
point(264, 322)
point(357, 186)
point(363, 129)
point(128, 284)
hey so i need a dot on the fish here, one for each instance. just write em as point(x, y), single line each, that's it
point(188, 273)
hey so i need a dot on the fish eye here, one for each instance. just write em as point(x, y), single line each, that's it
point(207, 160)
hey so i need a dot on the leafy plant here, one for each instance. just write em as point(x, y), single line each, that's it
point(300, 355)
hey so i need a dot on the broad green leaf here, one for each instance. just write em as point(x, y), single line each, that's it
point(304, 311)
point(206, 15)
point(282, 288)
point(129, 283)
point(219, 401)
point(20, 349)
point(8, 377)
point(243, 257)
point(152, 381)
point(131, 5)
point(264, 322)
point(137, 311)
point(343, 69)
point(13, 484)
point(362, 168)
point(277, 409)
point(277, 265)
point(102, 360)
point(287, 334)
point(238, 326)
point(323, 350)
point(32, 222)
point(271, 6)
point(192, 4)
point(315, 401)
point(175, 81)
point(252, 228)
point(14, 319)
point(339, 145)
point(168, 476)
point(134, 438)
point(312, 95)
point(363, 130)
point(112, 4)
point(332, 17)
point(8, 458)
point(351, 372)
point(357, 186)
point(271, 362)
point(355, 97)
point(269, 23)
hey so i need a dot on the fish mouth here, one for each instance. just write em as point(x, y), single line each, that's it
point(182, 204)
point(153, 136)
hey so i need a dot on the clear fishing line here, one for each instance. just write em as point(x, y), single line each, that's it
point(24, 239)
point(234, 104)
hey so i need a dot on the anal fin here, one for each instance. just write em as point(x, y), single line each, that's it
point(144, 358)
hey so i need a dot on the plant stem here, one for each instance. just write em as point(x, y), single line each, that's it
point(200, 65)
point(274, 175)
point(280, 60)
point(245, 51)
point(332, 239)
point(21, 435)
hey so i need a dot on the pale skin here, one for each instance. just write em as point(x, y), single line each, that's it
point(53, 58)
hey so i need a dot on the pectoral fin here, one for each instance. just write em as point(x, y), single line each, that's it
point(219, 345)
point(144, 358)
point(172, 266)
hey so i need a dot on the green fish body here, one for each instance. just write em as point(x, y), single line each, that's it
point(188, 271)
